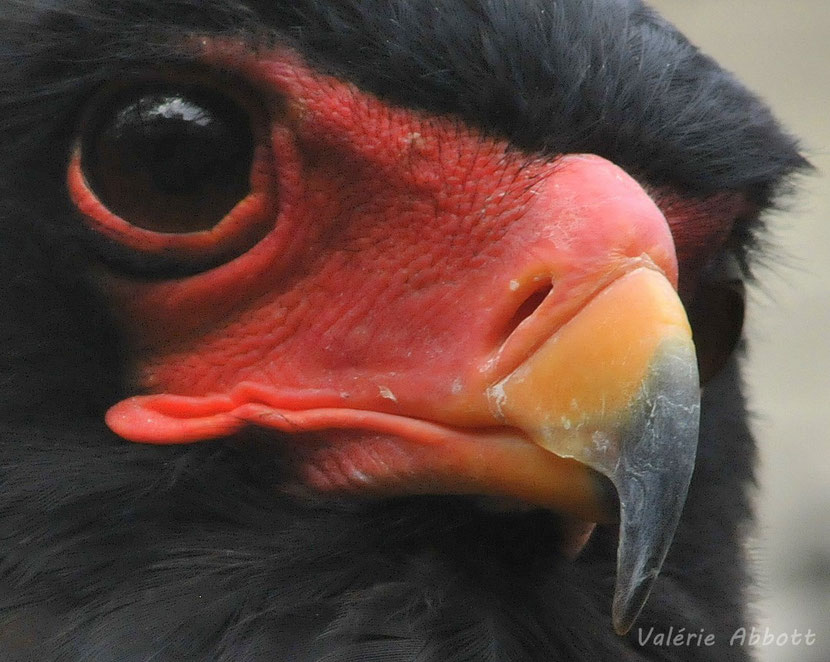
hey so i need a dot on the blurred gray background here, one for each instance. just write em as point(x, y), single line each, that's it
point(781, 50)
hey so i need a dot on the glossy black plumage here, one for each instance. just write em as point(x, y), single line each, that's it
point(116, 551)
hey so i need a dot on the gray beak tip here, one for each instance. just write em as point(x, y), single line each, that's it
point(652, 477)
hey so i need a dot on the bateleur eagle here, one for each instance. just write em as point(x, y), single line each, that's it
point(372, 330)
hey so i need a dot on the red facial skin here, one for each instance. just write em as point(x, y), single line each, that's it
point(393, 281)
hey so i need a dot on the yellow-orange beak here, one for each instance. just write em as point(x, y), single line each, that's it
point(616, 389)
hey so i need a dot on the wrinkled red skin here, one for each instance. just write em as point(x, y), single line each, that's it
point(402, 248)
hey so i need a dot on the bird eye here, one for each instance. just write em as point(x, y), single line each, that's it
point(170, 161)
point(176, 172)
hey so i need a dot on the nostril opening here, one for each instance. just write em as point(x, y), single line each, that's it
point(528, 307)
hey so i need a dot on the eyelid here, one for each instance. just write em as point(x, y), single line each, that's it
point(212, 246)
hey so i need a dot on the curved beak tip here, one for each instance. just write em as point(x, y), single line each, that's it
point(629, 360)
point(652, 477)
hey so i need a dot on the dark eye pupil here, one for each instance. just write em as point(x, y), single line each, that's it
point(170, 160)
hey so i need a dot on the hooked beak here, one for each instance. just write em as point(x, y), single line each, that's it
point(616, 389)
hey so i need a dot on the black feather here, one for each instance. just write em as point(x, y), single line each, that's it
point(112, 551)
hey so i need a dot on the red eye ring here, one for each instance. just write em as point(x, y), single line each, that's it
point(243, 226)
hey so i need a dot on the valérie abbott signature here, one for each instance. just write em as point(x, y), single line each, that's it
point(681, 637)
